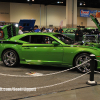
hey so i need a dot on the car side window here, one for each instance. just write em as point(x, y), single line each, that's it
point(48, 40)
point(26, 38)
point(41, 39)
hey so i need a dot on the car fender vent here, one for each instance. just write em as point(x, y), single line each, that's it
point(9, 31)
point(14, 30)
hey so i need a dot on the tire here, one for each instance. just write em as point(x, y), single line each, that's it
point(80, 59)
point(10, 58)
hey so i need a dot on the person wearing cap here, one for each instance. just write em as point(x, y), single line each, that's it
point(36, 29)
point(20, 30)
point(78, 34)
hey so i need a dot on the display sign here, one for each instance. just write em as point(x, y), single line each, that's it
point(98, 14)
point(86, 13)
point(93, 12)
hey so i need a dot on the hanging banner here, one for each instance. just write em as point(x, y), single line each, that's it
point(86, 13)
point(93, 12)
point(98, 14)
point(61, 24)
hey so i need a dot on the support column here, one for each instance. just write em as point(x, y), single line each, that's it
point(40, 15)
point(71, 13)
point(45, 16)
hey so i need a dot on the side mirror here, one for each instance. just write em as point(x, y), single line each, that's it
point(55, 43)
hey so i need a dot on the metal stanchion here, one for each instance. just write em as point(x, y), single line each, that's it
point(92, 66)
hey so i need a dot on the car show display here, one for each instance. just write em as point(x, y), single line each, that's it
point(49, 49)
point(88, 36)
point(89, 33)
point(52, 49)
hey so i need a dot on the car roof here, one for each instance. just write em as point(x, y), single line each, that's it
point(32, 33)
point(41, 33)
point(37, 33)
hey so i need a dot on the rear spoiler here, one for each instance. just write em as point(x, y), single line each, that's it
point(8, 31)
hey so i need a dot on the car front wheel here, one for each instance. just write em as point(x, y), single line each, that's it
point(81, 58)
point(10, 58)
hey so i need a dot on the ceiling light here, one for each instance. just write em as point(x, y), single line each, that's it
point(59, 2)
point(84, 4)
point(28, 0)
point(32, 0)
point(80, 3)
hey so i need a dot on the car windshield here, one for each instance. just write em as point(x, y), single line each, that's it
point(64, 39)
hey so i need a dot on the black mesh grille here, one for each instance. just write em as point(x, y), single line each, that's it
point(9, 31)
point(14, 30)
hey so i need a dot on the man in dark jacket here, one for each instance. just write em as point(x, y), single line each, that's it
point(78, 34)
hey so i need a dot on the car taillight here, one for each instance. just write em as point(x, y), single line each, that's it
point(1, 34)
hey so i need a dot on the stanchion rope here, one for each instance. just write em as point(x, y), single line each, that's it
point(45, 74)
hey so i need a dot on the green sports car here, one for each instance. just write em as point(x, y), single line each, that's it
point(52, 49)
point(87, 36)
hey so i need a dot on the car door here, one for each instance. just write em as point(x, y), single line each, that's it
point(40, 50)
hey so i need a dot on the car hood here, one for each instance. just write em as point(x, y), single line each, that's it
point(94, 45)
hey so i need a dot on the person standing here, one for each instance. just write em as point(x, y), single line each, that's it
point(36, 29)
point(20, 30)
point(43, 29)
point(60, 30)
point(50, 30)
point(78, 34)
point(55, 29)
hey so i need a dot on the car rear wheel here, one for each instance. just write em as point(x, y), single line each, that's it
point(80, 59)
point(10, 58)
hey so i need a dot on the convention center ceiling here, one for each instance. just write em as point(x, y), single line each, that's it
point(80, 3)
